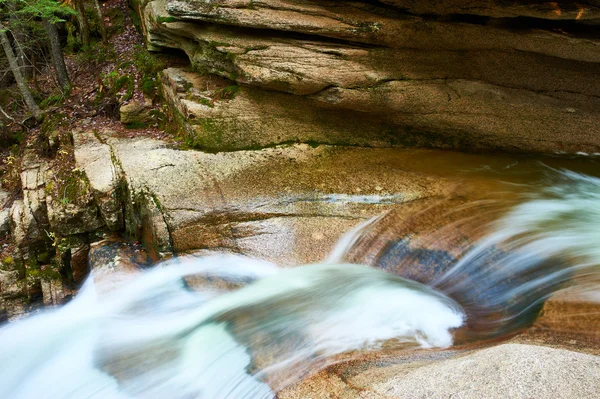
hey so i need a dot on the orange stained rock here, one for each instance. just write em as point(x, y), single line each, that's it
point(555, 9)
point(581, 10)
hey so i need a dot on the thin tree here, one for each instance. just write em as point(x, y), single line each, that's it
point(100, 21)
point(14, 67)
point(58, 59)
point(49, 11)
point(17, 29)
point(82, 21)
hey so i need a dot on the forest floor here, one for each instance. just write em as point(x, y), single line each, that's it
point(92, 103)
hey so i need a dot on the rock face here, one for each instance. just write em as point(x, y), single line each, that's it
point(512, 370)
point(508, 370)
point(516, 76)
point(271, 203)
point(287, 204)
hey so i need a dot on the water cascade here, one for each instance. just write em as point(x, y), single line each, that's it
point(164, 335)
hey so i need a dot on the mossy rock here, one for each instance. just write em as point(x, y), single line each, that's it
point(135, 114)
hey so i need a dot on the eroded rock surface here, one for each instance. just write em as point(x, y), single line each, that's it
point(288, 204)
point(507, 370)
point(516, 76)
point(260, 202)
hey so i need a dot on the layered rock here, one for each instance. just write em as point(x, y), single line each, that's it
point(471, 76)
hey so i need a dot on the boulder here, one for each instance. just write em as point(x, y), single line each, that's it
point(114, 262)
point(4, 221)
point(54, 293)
point(135, 113)
point(79, 262)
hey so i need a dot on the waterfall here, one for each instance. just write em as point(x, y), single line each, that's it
point(159, 335)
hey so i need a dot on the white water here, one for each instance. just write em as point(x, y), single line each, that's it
point(547, 243)
point(154, 338)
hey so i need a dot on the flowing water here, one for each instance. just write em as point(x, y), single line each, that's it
point(161, 336)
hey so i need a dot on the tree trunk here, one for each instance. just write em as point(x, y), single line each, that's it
point(14, 67)
point(84, 28)
point(57, 56)
point(19, 41)
point(100, 21)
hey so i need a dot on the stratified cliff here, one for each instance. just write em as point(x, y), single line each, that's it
point(510, 75)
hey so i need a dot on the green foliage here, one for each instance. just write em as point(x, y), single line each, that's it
point(72, 42)
point(161, 20)
point(124, 82)
point(97, 54)
point(8, 260)
point(115, 87)
point(136, 125)
point(54, 122)
point(226, 93)
point(117, 21)
point(46, 9)
point(146, 63)
point(149, 66)
point(54, 99)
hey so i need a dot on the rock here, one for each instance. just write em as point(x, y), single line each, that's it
point(29, 217)
point(79, 263)
point(273, 203)
point(53, 292)
point(95, 159)
point(4, 221)
point(575, 310)
point(499, 9)
point(510, 370)
point(10, 283)
point(70, 218)
point(507, 370)
point(134, 113)
point(114, 262)
point(370, 74)
point(24, 227)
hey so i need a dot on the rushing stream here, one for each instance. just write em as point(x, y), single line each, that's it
point(161, 336)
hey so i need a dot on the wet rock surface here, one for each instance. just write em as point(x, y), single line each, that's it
point(287, 204)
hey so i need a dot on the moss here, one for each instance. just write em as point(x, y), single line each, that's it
point(226, 93)
point(211, 136)
point(48, 273)
point(136, 125)
point(8, 261)
point(54, 122)
point(148, 85)
point(44, 257)
point(168, 19)
point(71, 187)
point(124, 82)
point(202, 100)
point(117, 20)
